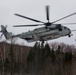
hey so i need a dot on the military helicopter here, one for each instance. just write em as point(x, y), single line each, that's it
point(49, 31)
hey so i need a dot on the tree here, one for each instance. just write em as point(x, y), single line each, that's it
point(46, 51)
point(11, 55)
point(68, 56)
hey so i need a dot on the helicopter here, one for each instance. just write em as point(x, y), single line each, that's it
point(49, 31)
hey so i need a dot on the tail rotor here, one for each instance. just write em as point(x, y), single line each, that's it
point(3, 29)
point(4, 32)
point(1, 36)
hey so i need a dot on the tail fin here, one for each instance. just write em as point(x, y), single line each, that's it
point(7, 34)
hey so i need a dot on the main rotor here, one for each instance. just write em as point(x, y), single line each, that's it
point(44, 23)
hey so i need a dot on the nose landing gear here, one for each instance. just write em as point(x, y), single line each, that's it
point(70, 35)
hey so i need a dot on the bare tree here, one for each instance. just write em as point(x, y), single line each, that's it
point(11, 53)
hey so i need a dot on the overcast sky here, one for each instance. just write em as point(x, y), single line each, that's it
point(36, 9)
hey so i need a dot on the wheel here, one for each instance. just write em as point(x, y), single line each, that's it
point(69, 35)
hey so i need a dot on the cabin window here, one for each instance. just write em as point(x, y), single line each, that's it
point(52, 28)
point(60, 29)
point(58, 26)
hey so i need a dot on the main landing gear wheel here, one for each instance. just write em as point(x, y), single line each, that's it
point(42, 44)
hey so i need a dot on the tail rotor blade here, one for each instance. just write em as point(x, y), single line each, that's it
point(6, 26)
point(1, 36)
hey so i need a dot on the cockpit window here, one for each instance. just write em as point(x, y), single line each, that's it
point(65, 28)
point(60, 29)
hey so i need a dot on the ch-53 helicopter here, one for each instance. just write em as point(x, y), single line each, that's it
point(49, 31)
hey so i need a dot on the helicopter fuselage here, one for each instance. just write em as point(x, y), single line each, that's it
point(45, 33)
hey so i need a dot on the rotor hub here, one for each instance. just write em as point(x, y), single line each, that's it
point(48, 24)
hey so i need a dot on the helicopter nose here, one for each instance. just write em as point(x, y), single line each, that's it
point(69, 31)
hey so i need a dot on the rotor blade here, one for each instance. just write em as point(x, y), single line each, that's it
point(73, 30)
point(47, 13)
point(67, 23)
point(29, 18)
point(26, 25)
point(64, 17)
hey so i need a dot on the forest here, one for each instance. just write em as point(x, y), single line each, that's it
point(53, 59)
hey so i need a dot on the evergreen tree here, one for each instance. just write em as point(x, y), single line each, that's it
point(7, 64)
point(68, 56)
point(53, 55)
point(47, 51)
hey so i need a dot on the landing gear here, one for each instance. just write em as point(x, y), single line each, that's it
point(70, 35)
point(42, 44)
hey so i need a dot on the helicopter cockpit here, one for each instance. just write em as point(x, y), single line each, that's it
point(59, 27)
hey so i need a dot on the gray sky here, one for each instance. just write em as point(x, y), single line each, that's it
point(36, 9)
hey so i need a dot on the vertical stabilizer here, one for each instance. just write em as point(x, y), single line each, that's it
point(4, 32)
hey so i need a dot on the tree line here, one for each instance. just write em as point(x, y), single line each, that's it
point(53, 59)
